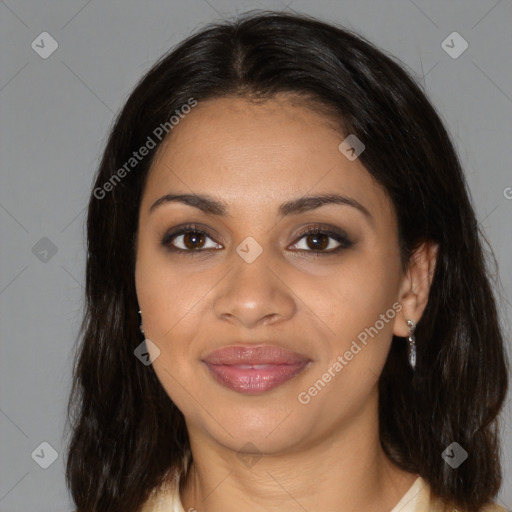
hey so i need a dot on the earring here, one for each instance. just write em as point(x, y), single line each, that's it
point(412, 344)
point(141, 327)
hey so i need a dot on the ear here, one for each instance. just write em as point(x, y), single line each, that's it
point(415, 287)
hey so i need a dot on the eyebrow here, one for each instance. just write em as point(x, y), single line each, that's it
point(212, 206)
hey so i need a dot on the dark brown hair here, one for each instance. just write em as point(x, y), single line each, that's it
point(126, 432)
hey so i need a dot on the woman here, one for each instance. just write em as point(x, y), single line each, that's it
point(287, 300)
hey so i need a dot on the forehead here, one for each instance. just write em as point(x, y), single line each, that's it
point(234, 127)
point(250, 152)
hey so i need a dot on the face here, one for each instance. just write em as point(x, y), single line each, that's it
point(273, 313)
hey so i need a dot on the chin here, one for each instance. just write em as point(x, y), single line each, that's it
point(271, 428)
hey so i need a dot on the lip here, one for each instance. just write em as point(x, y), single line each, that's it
point(254, 369)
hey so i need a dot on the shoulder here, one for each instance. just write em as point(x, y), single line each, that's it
point(424, 501)
point(165, 498)
point(493, 507)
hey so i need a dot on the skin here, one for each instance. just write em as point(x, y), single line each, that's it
point(320, 456)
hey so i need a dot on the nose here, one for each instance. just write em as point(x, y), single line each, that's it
point(254, 293)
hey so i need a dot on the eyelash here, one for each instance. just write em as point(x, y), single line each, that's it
point(318, 229)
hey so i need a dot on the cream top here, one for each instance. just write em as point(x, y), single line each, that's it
point(416, 499)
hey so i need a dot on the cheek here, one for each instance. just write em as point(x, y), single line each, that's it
point(356, 296)
point(357, 305)
point(167, 294)
point(172, 303)
point(359, 312)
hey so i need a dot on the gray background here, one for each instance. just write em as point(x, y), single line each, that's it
point(55, 115)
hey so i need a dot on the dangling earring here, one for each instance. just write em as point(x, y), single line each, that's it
point(412, 344)
point(141, 327)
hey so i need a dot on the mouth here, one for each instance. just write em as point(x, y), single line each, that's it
point(255, 369)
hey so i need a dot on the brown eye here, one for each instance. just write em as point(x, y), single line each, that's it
point(322, 240)
point(317, 242)
point(193, 240)
point(189, 239)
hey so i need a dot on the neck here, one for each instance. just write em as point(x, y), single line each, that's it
point(346, 470)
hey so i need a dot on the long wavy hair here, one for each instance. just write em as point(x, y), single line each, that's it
point(126, 433)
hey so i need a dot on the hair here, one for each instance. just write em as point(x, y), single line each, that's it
point(127, 434)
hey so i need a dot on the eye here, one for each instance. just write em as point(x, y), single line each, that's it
point(189, 239)
point(322, 240)
point(317, 239)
